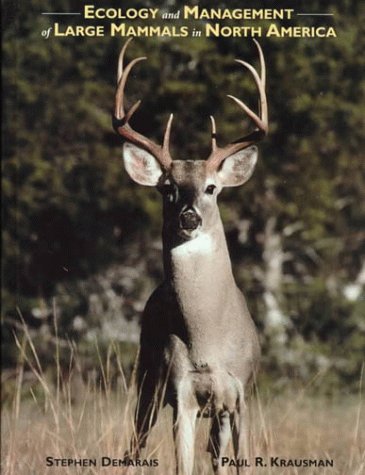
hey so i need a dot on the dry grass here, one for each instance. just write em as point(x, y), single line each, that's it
point(68, 419)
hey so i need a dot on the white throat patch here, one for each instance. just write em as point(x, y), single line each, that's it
point(203, 244)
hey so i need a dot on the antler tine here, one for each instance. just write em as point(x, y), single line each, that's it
point(121, 59)
point(218, 154)
point(121, 117)
point(166, 138)
point(119, 96)
point(262, 64)
point(214, 134)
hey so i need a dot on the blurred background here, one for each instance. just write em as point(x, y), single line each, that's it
point(81, 242)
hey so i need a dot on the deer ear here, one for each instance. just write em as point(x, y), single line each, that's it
point(238, 168)
point(141, 166)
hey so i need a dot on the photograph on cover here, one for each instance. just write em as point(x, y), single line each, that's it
point(183, 237)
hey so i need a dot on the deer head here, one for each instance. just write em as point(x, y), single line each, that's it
point(189, 187)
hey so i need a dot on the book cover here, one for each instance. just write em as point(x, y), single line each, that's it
point(90, 178)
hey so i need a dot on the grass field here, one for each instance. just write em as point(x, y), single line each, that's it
point(71, 419)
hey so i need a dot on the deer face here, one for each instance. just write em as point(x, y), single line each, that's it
point(189, 188)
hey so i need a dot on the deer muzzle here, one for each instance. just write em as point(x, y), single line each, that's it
point(189, 219)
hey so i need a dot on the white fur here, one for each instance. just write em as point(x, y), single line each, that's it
point(202, 244)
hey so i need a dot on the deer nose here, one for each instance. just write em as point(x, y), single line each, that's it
point(189, 219)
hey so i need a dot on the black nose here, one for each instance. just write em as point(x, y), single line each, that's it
point(189, 219)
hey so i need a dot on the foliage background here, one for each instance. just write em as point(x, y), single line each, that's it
point(82, 241)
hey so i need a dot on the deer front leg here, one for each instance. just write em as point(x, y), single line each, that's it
point(185, 413)
point(220, 434)
point(241, 435)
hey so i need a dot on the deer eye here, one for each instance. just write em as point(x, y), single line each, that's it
point(210, 189)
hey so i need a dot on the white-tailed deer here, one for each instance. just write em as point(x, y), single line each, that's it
point(199, 347)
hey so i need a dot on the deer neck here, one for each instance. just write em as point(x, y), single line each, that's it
point(199, 272)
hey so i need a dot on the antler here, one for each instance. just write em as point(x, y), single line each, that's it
point(121, 118)
point(218, 154)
